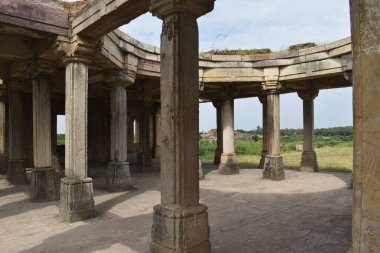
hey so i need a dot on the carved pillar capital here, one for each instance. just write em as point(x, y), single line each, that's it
point(217, 104)
point(118, 78)
point(308, 95)
point(197, 8)
point(263, 99)
point(43, 68)
point(75, 49)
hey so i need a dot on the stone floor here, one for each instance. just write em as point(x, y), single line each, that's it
point(306, 213)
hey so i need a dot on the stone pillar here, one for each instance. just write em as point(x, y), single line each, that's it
point(273, 167)
point(16, 163)
point(43, 184)
point(264, 152)
point(219, 131)
point(76, 201)
point(3, 130)
point(144, 157)
point(365, 21)
point(118, 173)
point(309, 157)
point(228, 162)
point(180, 222)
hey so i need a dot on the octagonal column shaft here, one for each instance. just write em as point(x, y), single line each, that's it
point(365, 21)
point(309, 157)
point(145, 154)
point(44, 184)
point(219, 132)
point(273, 168)
point(180, 222)
point(228, 163)
point(16, 163)
point(3, 134)
point(118, 174)
point(264, 152)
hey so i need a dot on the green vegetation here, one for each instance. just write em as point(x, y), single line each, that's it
point(333, 147)
point(302, 46)
point(241, 51)
point(60, 139)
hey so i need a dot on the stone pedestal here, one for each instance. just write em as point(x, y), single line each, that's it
point(118, 177)
point(274, 168)
point(144, 162)
point(201, 174)
point(3, 164)
point(77, 202)
point(16, 172)
point(180, 230)
point(45, 183)
point(228, 164)
point(309, 162)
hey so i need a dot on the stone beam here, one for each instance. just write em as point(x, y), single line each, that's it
point(103, 16)
point(34, 16)
point(15, 47)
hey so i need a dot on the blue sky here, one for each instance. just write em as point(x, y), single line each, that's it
point(274, 24)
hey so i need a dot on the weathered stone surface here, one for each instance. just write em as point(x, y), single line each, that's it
point(264, 152)
point(3, 164)
point(144, 162)
point(77, 201)
point(228, 164)
point(16, 171)
point(309, 162)
point(180, 230)
point(365, 19)
point(44, 185)
point(201, 174)
point(274, 168)
point(118, 177)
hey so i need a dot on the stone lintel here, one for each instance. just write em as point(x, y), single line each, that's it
point(118, 177)
point(77, 202)
point(308, 95)
point(119, 78)
point(274, 168)
point(309, 162)
point(197, 8)
point(228, 164)
point(182, 230)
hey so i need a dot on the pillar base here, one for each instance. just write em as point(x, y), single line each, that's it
point(77, 202)
point(118, 177)
point(144, 162)
point(44, 185)
point(264, 153)
point(309, 162)
point(274, 168)
point(201, 174)
point(177, 230)
point(3, 164)
point(217, 156)
point(228, 164)
point(16, 172)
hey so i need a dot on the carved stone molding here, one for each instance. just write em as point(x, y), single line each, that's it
point(308, 95)
point(197, 8)
point(118, 78)
point(75, 49)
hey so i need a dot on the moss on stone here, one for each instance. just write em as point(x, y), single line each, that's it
point(241, 51)
point(302, 46)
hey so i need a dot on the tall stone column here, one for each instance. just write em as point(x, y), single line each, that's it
point(118, 173)
point(365, 21)
point(76, 202)
point(3, 130)
point(16, 163)
point(180, 222)
point(264, 152)
point(43, 184)
point(144, 157)
point(273, 167)
point(228, 162)
point(219, 131)
point(309, 157)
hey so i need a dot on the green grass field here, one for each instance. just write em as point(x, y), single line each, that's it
point(334, 155)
